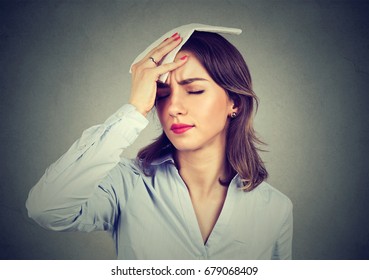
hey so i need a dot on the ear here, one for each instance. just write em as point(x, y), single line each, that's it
point(234, 108)
point(235, 101)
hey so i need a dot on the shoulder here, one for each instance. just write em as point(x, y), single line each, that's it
point(272, 197)
point(130, 165)
point(132, 168)
point(125, 173)
point(270, 192)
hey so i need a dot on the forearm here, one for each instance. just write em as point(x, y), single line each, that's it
point(71, 180)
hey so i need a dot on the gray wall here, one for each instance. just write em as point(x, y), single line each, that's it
point(64, 67)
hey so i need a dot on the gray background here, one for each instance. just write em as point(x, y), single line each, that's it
point(64, 67)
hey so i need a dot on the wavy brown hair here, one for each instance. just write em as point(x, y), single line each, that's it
point(228, 69)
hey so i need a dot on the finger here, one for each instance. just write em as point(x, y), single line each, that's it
point(167, 41)
point(164, 68)
point(159, 52)
point(163, 49)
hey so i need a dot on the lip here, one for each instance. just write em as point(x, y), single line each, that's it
point(180, 128)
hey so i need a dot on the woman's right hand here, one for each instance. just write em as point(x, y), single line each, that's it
point(145, 73)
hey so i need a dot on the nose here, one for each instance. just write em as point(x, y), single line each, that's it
point(176, 106)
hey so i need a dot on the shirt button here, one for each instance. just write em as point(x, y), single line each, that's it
point(82, 147)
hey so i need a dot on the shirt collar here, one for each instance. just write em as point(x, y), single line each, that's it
point(159, 161)
point(169, 159)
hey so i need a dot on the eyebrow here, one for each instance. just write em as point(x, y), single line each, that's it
point(189, 81)
point(182, 83)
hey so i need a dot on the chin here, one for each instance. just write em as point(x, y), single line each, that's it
point(185, 145)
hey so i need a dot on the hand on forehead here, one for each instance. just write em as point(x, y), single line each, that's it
point(185, 31)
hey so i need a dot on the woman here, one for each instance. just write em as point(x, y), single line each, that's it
point(198, 191)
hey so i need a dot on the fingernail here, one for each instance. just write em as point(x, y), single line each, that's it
point(174, 35)
point(183, 57)
point(179, 37)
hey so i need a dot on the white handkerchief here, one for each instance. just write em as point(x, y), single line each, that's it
point(185, 31)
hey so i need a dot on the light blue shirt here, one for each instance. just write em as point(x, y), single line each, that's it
point(92, 188)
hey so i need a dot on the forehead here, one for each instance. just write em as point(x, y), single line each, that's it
point(192, 68)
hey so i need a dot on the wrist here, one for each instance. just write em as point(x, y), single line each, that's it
point(138, 109)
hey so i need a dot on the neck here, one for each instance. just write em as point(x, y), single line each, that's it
point(201, 169)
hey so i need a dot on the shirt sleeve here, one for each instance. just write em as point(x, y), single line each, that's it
point(283, 246)
point(72, 183)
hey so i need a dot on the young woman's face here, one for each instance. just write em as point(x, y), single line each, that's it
point(192, 108)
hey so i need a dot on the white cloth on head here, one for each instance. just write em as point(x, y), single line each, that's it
point(185, 31)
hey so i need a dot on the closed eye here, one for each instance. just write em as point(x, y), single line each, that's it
point(162, 92)
point(161, 96)
point(196, 92)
